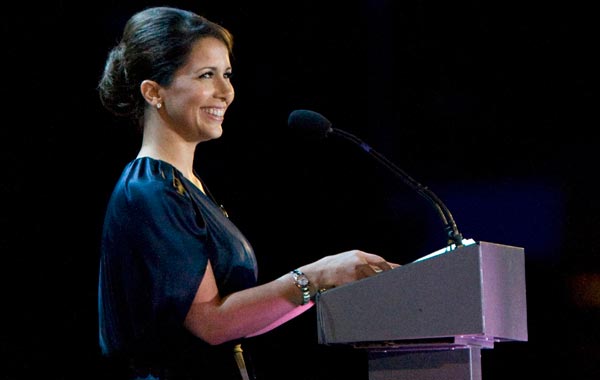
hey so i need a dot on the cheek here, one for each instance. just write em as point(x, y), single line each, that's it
point(187, 102)
point(197, 98)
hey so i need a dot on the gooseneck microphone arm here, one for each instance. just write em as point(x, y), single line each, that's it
point(314, 125)
point(454, 236)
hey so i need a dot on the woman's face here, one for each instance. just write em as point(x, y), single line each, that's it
point(196, 100)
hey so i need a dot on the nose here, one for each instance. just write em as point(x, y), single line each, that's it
point(224, 90)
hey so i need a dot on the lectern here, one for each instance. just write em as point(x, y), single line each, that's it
point(429, 319)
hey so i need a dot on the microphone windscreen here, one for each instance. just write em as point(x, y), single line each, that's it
point(310, 124)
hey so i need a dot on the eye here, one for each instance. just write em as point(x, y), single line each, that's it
point(207, 75)
point(228, 75)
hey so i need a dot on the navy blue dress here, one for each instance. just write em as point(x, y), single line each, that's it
point(159, 233)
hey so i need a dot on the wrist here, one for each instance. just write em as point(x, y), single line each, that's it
point(303, 283)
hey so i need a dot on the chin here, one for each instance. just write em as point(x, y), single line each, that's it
point(214, 134)
point(218, 133)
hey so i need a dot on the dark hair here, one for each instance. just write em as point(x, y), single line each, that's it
point(155, 43)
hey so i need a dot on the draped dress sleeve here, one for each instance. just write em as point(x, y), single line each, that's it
point(159, 233)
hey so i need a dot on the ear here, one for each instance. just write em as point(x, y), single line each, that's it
point(149, 90)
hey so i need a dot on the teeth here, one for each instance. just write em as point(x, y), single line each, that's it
point(216, 111)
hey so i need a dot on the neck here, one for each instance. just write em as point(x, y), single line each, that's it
point(162, 143)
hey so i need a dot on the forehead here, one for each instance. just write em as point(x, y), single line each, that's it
point(208, 52)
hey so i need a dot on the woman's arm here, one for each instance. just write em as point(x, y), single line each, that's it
point(261, 308)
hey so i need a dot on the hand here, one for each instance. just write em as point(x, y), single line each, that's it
point(345, 267)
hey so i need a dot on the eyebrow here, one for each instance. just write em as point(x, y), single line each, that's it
point(213, 68)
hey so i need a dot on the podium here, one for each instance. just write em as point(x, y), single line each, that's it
point(429, 319)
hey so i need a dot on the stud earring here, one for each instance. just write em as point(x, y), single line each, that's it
point(158, 105)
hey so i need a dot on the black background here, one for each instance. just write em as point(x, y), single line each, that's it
point(488, 103)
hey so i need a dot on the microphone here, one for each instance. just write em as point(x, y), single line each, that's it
point(315, 126)
point(311, 124)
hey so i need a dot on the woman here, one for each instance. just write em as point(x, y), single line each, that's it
point(177, 287)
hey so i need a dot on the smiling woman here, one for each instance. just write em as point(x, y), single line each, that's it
point(178, 289)
point(194, 103)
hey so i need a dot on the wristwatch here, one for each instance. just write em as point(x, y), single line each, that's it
point(302, 282)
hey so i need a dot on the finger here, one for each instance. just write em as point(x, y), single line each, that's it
point(367, 270)
point(383, 266)
point(376, 268)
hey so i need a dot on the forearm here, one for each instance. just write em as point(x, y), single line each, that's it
point(291, 315)
point(249, 312)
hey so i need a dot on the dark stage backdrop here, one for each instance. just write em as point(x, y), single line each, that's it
point(488, 103)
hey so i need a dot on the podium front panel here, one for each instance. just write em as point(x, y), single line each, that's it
point(476, 290)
